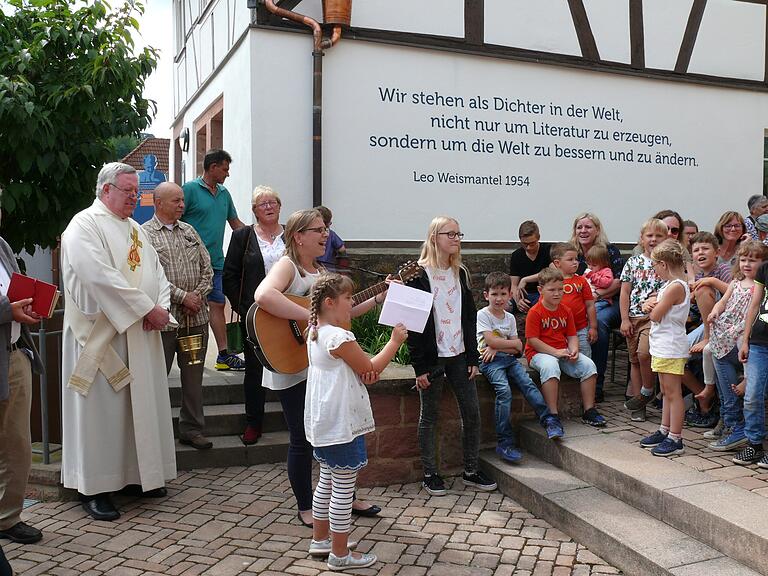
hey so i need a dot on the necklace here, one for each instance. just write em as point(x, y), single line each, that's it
point(264, 232)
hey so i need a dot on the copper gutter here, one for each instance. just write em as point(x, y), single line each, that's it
point(320, 44)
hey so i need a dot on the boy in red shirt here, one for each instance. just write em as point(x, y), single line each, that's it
point(577, 295)
point(552, 347)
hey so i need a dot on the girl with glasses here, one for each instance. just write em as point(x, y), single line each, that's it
point(446, 351)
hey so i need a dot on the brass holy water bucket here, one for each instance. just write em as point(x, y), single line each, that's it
point(338, 12)
point(191, 348)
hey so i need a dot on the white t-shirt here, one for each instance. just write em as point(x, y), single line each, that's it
point(336, 407)
point(271, 252)
point(502, 327)
point(667, 338)
point(446, 309)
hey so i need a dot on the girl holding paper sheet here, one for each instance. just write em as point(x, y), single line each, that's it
point(447, 350)
point(295, 273)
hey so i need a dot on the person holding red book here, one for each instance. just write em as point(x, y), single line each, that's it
point(18, 359)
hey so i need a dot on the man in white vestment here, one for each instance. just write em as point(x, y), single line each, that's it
point(116, 412)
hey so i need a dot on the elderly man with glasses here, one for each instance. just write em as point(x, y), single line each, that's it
point(116, 413)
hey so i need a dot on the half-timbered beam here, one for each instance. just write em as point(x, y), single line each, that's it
point(689, 38)
point(583, 30)
point(474, 22)
point(637, 34)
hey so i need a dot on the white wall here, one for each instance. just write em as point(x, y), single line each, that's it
point(234, 84)
point(721, 128)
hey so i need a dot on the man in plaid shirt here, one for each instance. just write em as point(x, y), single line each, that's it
point(187, 266)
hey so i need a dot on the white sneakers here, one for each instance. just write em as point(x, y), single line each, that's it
point(350, 562)
point(323, 547)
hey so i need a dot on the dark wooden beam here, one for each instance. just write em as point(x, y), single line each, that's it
point(689, 38)
point(583, 30)
point(474, 22)
point(288, 4)
point(459, 46)
point(637, 34)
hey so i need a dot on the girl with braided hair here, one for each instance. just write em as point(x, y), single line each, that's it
point(337, 415)
point(295, 273)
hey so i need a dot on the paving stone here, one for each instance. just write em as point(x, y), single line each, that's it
point(223, 521)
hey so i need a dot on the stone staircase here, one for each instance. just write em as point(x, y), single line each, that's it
point(224, 405)
point(643, 514)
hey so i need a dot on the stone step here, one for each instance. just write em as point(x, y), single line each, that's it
point(622, 535)
point(229, 451)
point(218, 388)
point(721, 515)
point(229, 419)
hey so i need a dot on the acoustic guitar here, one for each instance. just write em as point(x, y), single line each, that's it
point(279, 344)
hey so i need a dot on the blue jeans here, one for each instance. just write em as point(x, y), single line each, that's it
point(754, 397)
point(503, 372)
point(727, 374)
point(608, 318)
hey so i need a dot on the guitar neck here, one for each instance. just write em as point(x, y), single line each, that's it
point(370, 292)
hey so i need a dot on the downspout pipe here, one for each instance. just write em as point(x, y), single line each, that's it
point(319, 45)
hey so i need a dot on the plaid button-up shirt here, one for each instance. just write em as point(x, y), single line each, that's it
point(187, 266)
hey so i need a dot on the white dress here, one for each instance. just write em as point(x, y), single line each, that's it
point(336, 406)
point(112, 439)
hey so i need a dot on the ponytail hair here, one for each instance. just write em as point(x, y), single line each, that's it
point(328, 285)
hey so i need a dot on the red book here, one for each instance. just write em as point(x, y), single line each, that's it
point(44, 296)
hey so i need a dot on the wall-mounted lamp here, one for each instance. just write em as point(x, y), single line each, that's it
point(184, 140)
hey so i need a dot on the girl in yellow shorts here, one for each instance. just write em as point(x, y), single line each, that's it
point(669, 345)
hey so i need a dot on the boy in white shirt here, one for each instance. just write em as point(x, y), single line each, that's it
point(498, 343)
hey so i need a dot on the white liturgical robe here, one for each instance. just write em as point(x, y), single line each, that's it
point(114, 438)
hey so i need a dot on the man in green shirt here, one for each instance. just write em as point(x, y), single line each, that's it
point(208, 207)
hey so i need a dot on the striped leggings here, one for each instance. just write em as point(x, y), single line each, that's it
point(333, 498)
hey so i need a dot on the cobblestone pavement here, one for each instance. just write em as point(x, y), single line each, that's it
point(697, 453)
point(227, 521)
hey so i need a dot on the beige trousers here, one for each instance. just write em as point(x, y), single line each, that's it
point(191, 419)
point(15, 440)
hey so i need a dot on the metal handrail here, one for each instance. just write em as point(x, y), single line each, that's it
point(42, 346)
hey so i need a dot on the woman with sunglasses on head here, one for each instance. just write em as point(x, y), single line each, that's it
point(447, 351)
point(295, 273)
point(252, 252)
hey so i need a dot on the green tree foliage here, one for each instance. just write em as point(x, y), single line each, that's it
point(69, 83)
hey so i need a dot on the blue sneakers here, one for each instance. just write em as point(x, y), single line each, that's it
point(554, 427)
point(732, 439)
point(509, 454)
point(593, 418)
point(668, 447)
point(653, 440)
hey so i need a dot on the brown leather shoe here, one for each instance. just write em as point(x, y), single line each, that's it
point(199, 442)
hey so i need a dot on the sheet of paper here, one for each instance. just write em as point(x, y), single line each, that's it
point(406, 305)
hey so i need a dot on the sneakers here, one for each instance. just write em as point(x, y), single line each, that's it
point(479, 481)
point(763, 463)
point(638, 402)
point(509, 454)
point(554, 427)
point(750, 454)
point(593, 418)
point(668, 447)
point(731, 439)
point(229, 362)
point(637, 415)
point(653, 440)
point(697, 419)
point(324, 547)
point(434, 485)
point(350, 562)
point(716, 432)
